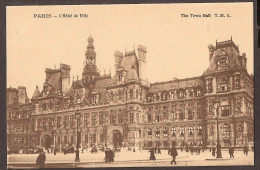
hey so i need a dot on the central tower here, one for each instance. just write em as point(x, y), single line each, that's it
point(90, 72)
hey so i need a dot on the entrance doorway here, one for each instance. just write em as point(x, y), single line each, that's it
point(117, 138)
point(46, 141)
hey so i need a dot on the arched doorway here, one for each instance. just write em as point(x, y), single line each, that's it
point(117, 138)
point(46, 141)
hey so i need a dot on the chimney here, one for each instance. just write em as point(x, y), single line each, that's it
point(118, 58)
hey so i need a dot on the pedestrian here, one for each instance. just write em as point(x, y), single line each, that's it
point(155, 149)
point(112, 155)
point(214, 151)
point(231, 152)
point(174, 153)
point(159, 150)
point(107, 155)
point(245, 150)
point(152, 156)
point(41, 159)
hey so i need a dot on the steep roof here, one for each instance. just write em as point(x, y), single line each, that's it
point(36, 93)
point(176, 84)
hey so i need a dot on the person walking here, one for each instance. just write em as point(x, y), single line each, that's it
point(107, 155)
point(152, 156)
point(159, 150)
point(111, 155)
point(155, 149)
point(214, 151)
point(41, 159)
point(231, 151)
point(174, 153)
point(245, 150)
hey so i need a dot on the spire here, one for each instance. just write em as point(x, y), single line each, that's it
point(90, 42)
point(36, 93)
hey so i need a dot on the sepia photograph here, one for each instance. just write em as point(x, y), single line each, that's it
point(133, 85)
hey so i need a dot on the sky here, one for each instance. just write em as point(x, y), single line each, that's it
point(176, 46)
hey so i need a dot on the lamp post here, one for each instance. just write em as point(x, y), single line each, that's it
point(77, 114)
point(216, 105)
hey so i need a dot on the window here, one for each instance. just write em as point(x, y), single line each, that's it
point(173, 116)
point(71, 139)
point(137, 94)
point(209, 86)
point(85, 119)
point(172, 95)
point(190, 130)
point(199, 116)
point(149, 116)
point(131, 117)
point(165, 117)
point(137, 117)
point(149, 98)
point(58, 122)
point(72, 120)
point(93, 120)
point(165, 132)
point(226, 129)
point(120, 94)
point(94, 99)
point(173, 131)
point(181, 94)
point(131, 94)
point(101, 138)
point(150, 131)
point(86, 138)
point(157, 133)
point(199, 130)
point(190, 94)
point(112, 119)
point(190, 115)
point(120, 77)
point(164, 96)
point(157, 117)
point(150, 144)
point(224, 111)
point(120, 119)
point(182, 131)
point(65, 139)
point(181, 116)
point(100, 118)
point(111, 96)
point(198, 92)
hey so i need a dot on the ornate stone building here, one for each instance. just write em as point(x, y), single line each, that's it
point(125, 109)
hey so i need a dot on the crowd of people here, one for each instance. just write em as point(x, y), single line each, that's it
point(110, 154)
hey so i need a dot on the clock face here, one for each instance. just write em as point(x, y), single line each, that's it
point(78, 101)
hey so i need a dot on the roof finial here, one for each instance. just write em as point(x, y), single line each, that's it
point(77, 77)
point(231, 37)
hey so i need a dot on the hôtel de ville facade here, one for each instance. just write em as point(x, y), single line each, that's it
point(127, 110)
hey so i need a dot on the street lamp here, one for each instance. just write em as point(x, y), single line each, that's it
point(77, 114)
point(216, 105)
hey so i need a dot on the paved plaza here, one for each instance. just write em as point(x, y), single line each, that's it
point(130, 159)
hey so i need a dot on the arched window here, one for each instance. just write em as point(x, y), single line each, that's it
point(226, 129)
point(150, 132)
point(182, 131)
point(165, 116)
point(173, 131)
point(181, 94)
point(149, 97)
point(157, 117)
point(164, 96)
point(190, 130)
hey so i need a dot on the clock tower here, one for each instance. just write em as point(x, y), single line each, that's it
point(90, 72)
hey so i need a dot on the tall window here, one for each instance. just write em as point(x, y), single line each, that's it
point(157, 117)
point(137, 117)
point(181, 94)
point(190, 130)
point(226, 130)
point(72, 120)
point(236, 82)
point(131, 94)
point(120, 95)
point(137, 94)
point(173, 116)
point(120, 77)
point(58, 122)
point(199, 116)
point(164, 96)
point(181, 116)
point(224, 111)
point(173, 131)
point(150, 131)
point(85, 119)
point(199, 130)
point(182, 131)
point(165, 116)
point(131, 117)
point(111, 96)
point(157, 133)
point(189, 93)
point(198, 92)
point(149, 117)
point(209, 86)
point(93, 119)
point(190, 115)
point(94, 99)
point(65, 139)
point(100, 118)
point(120, 120)
point(165, 132)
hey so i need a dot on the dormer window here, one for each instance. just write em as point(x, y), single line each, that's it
point(120, 77)
point(94, 99)
point(222, 62)
point(181, 94)
point(198, 92)
point(236, 82)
